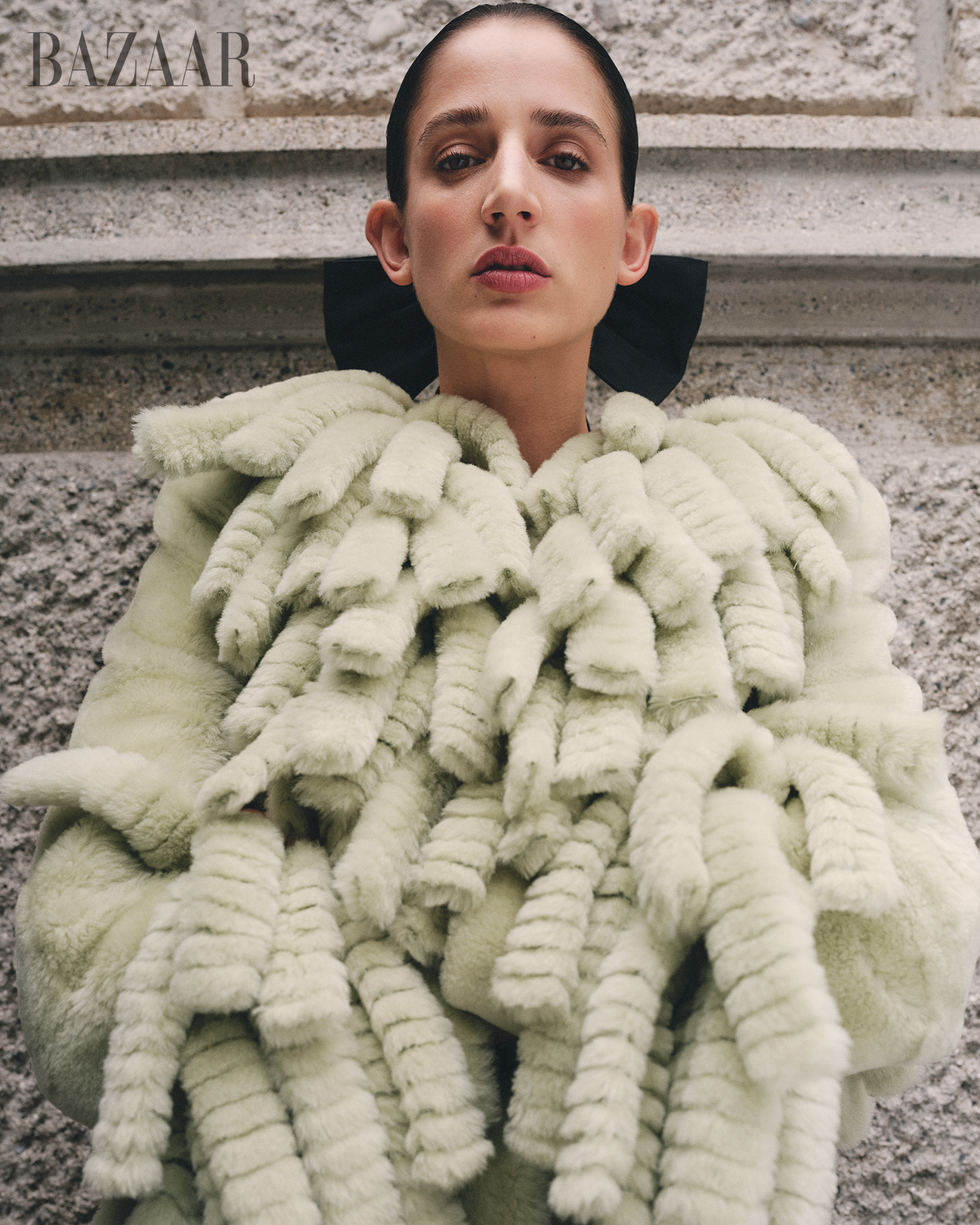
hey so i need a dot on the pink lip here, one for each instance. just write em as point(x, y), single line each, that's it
point(511, 270)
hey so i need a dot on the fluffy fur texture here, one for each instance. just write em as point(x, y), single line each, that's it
point(372, 609)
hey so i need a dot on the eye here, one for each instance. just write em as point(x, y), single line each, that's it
point(456, 161)
point(565, 161)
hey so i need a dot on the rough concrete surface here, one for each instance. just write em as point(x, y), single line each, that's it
point(85, 401)
point(895, 394)
point(348, 56)
point(964, 59)
point(74, 531)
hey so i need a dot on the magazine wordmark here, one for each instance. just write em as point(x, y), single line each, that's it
point(130, 60)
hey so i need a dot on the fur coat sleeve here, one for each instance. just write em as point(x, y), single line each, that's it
point(145, 738)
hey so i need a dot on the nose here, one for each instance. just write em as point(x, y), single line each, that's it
point(510, 195)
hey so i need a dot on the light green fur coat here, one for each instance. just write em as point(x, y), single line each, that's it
point(612, 756)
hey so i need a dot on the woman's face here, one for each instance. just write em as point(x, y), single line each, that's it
point(514, 232)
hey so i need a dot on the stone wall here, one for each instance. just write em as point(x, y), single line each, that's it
point(162, 244)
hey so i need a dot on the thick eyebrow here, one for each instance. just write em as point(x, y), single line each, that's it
point(461, 117)
point(473, 116)
point(567, 119)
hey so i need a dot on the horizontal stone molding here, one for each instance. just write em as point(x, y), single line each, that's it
point(784, 188)
point(842, 301)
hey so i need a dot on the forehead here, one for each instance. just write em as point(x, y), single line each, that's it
point(513, 67)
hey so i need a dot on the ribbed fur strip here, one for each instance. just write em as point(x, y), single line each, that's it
point(569, 572)
point(806, 1168)
point(249, 526)
point(367, 561)
point(420, 1205)
point(814, 551)
point(372, 638)
point(485, 437)
point(513, 660)
point(460, 854)
point(695, 676)
point(605, 1098)
point(631, 423)
point(721, 1131)
point(452, 564)
point(462, 735)
point(376, 865)
point(178, 1201)
point(532, 747)
point(642, 1184)
point(243, 1130)
point(409, 476)
point(537, 975)
point(252, 614)
point(206, 1189)
point(341, 1139)
point(334, 726)
point(759, 936)
point(744, 471)
point(765, 655)
point(738, 408)
point(716, 520)
point(547, 1055)
point(130, 1138)
point(179, 441)
point(139, 798)
point(550, 494)
point(613, 501)
point(344, 796)
point(611, 648)
point(600, 742)
point(420, 931)
point(303, 581)
point(531, 839)
point(304, 995)
point(290, 662)
point(851, 865)
point(813, 478)
point(230, 908)
point(665, 821)
point(674, 575)
point(445, 1135)
point(323, 472)
point(489, 508)
point(900, 751)
point(249, 772)
point(269, 446)
point(787, 579)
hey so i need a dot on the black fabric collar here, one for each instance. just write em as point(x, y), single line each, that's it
point(642, 344)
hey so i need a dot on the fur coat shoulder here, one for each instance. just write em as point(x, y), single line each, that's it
point(611, 757)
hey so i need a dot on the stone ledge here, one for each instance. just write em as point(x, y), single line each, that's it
point(140, 138)
point(716, 201)
point(144, 309)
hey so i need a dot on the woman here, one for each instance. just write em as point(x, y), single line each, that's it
point(431, 724)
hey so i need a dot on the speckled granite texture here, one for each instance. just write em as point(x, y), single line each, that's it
point(75, 528)
point(964, 59)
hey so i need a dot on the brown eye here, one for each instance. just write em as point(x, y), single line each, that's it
point(456, 161)
point(565, 161)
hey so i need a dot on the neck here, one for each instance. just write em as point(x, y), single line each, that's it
point(540, 394)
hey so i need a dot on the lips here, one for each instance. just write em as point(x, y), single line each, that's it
point(511, 270)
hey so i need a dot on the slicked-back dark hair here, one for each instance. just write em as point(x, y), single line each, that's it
point(415, 79)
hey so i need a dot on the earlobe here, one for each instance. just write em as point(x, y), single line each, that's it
point(641, 233)
point(385, 232)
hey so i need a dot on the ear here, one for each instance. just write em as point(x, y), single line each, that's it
point(385, 232)
point(641, 233)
